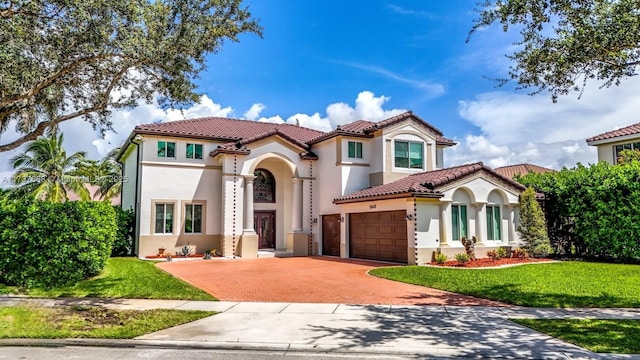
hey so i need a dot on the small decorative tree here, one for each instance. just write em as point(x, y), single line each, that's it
point(533, 228)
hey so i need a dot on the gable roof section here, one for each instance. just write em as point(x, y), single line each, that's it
point(424, 184)
point(364, 128)
point(216, 128)
point(240, 147)
point(611, 135)
point(510, 171)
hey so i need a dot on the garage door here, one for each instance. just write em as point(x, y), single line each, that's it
point(378, 236)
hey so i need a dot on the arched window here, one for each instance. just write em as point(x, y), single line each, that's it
point(264, 187)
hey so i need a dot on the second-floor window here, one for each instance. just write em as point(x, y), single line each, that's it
point(355, 150)
point(409, 154)
point(618, 148)
point(194, 151)
point(166, 149)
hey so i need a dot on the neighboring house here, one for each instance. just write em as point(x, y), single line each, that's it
point(611, 143)
point(510, 171)
point(365, 190)
point(94, 196)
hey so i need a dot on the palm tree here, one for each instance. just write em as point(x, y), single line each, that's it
point(45, 172)
point(108, 176)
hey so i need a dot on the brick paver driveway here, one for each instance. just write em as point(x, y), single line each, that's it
point(307, 279)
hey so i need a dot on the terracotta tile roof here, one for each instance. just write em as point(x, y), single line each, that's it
point(364, 128)
point(239, 147)
point(521, 169)
point(216, 128)
point(627, 130)
point(425, 184)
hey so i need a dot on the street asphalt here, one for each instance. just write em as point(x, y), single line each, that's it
point(427, 331)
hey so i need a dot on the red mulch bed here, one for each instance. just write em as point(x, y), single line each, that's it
point(488, 262)
point(173, 256)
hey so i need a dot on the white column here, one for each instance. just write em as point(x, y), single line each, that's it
point(511, 236)
point(296, 220)
point(481, 209)
point(444, 215)
point(248, 205)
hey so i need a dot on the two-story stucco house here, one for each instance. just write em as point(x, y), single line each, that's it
point(611, 143)
point(365, 190)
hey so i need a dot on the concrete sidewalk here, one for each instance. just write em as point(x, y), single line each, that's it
point(434, 331)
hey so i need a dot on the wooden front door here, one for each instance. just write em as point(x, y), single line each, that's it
point(331, 235)
point(264, 223)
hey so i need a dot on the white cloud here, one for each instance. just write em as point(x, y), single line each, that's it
point(254, 112)
point(536, 130)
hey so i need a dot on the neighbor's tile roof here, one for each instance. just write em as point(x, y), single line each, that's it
point(521, 169)
point(627, 130)
point(363, 128)
point(217, 128)
point(425, 183)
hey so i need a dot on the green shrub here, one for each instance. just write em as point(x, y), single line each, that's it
point(49, 244)
point(533, 227)
point(502, 252)
point(441, 258)
point(519, 253)
point(462, 258)
point(123, 243)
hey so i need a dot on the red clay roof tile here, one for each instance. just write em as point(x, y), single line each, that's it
point(627, 130)
point(521, 169)
point(425, 183)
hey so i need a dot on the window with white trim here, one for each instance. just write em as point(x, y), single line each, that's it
point(618, 148)
point(409, 154)
point(194, 151)
point(166, 149)
point(494, 230)
point(459, 221)
point(164, 218)
point(193, 219)
point(355, 150)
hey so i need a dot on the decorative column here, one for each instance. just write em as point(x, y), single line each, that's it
point(444, 212)
point(296, 212)
point(481, 208)
point(249, 227)
point(511, 236)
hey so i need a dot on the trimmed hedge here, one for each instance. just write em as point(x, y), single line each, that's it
point(48, 244)
point(123, 244)
point(593, 212)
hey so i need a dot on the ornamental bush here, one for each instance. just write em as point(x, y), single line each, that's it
point(123, 243)
point(44, 244)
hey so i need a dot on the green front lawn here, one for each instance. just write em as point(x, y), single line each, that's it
point(564, 284)
point(123, 278)
point(604, 336)
point(88, 322)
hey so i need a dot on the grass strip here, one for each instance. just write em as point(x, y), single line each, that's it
point(602, 336)
point(88, 322)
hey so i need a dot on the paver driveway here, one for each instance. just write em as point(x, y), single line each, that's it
point(307, 280)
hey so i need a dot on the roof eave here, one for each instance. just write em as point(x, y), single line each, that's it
point(406, 194)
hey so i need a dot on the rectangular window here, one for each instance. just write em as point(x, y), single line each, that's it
point(618, 148)
point(164, 219)
point(409, 154)
point(355, 150)
point(193, 219)
point(194, 151)
point(166, 149)
point(459, 221)
point(493, 223)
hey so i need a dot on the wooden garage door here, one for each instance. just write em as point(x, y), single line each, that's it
point(378, 236)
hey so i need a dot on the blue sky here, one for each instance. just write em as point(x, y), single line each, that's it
point(324, 63)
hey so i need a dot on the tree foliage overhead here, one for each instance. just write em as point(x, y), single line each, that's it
point(65, 59)
point(565, 43)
